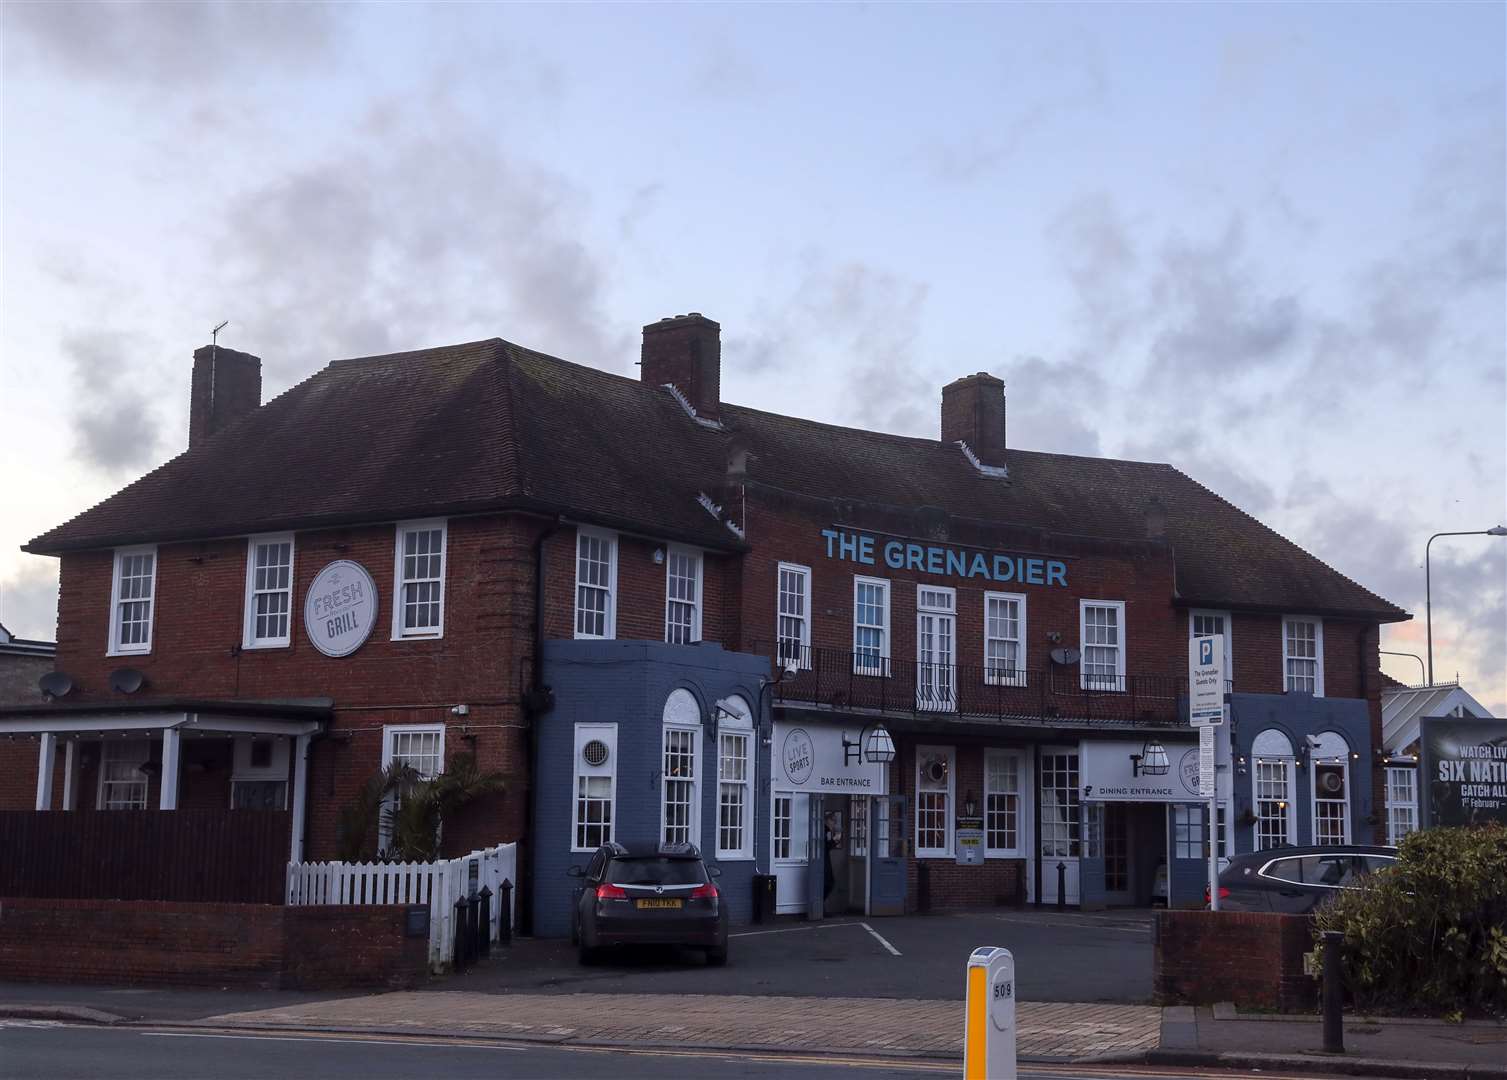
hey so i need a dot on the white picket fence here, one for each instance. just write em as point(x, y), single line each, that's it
point(437, 884)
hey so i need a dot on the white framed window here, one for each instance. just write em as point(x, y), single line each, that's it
point(936, 649)
point(1222, 831)
point(1060, 793)
point(1402, 802)
point(1101, 630)
point(1329, 782)
point(871, 626)
point(418, 609)
point(1002, 820)
point(269, 592)
point(419, 746)
point(1004, 639)
point(1303, 655)
point(680, 772)
point(934, 795)
point(780, 833)
point(734, 780)
point(595, 786)
point(793, 614)
point(858, 825)
point(1272, 783)
point(1202, 623)
point(1188, 831)
point(682, 596)
point(596, 583)
point(122, 781)
point(133, 599)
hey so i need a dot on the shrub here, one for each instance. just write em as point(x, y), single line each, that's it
point(1430, 933)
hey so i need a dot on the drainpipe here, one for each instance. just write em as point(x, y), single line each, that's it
point(536, 702)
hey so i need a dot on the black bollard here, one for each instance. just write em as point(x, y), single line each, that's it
point(505, 912)
point(1334, 993)
point(1061, 885)
point(484, 921)
point(460, 958)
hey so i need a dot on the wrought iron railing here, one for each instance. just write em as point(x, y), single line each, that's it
point(838, 679)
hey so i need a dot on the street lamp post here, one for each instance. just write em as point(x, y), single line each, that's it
point(1428, 594)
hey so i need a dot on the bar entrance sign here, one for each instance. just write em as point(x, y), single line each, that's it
point(1206, 679)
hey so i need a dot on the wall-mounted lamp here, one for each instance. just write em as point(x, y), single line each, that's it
point(969, 806)
point(874, 745)
point(659, 556)
point(1240, 764)
point(1152, 760)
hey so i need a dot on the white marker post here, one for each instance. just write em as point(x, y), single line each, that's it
point(989, 1015)
point(1206, 677)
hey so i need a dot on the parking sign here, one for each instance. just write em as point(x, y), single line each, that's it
point(1206, 677)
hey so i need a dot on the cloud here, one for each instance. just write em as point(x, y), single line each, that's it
point(115, 425)
point(170, 45)
point(29, 600)
point(1093, 244)
point(433, 232)
point(1044, 405)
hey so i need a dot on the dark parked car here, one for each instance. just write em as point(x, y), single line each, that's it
point(649, 896)
point(1295, 880)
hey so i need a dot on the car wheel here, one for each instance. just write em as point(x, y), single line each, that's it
point(716, 957)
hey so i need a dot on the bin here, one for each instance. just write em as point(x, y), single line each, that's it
point(763, 898)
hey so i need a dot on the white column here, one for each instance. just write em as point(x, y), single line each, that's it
point(70, 774)
point(47, 756)
point(170, 742)
point(300, 796)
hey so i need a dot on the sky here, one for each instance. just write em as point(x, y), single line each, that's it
point(1264, 243)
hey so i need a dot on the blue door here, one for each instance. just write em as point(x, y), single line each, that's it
point(887, 855)
point(816, 860)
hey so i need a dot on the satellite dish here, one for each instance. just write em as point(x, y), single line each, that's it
point(127, 680)
point(56, 684)
point(1064, 657)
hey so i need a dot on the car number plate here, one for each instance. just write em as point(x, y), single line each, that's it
point(660, 903)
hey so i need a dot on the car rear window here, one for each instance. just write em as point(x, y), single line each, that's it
point(656, 870)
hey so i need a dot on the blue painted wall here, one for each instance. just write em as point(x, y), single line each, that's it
point(1297, 716)
point(627, 683)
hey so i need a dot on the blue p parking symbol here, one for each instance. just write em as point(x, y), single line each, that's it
point(1205, 652)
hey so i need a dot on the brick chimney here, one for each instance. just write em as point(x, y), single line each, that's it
point(686, 352)
point(973, 411)
point(226, 386)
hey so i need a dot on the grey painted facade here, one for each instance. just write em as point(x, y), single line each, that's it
point(627, 683)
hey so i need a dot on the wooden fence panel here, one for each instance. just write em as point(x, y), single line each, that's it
point(214, 856)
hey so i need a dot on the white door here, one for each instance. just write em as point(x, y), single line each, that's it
point(936, 649)
point(788, 833)
point(1061, 823)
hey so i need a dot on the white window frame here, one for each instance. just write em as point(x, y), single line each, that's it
point(390, 731)
point(697, 562)
point(937, 688)
point(682, 714)
point(803, 644)
point(1019, 760)
point(249, 640)
point(1092, 682)
point(737, 726)
point(113, 644)
point(950, 752)
point(143, 747)
point(610, 539)
point(399, 585)
point(1289, 765)
point(1228, 623)
point(1190, 831)
point(1317, 658)
point(1396, 808)
point(1343, 802)
point(1017, 675)
point(887, 632)
point(580, 771)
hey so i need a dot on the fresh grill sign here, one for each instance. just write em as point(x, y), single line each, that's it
point(341, 608)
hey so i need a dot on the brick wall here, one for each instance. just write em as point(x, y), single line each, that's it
point(18, 678)
point(244, 945)
point(1251, 958)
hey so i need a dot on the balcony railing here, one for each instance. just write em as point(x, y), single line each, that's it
point(841, 680)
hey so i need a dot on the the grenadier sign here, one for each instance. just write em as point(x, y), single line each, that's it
point(341, 608)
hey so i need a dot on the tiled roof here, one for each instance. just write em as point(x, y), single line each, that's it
point(490, 426)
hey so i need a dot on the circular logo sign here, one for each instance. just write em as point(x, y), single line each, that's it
point(341, 608)
point(799, 756)
point(1187, 771)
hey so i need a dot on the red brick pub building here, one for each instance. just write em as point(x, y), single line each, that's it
point(661, 614)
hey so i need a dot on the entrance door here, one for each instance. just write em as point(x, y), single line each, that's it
point(788, 861)
point(936, 650)
point(1061, 827)
point(1119, 884)
point(858, 852)
point(887, 855)
point(816, 859)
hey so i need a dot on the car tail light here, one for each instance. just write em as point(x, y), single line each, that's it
point(704, 892)
point(607, 891)
point(1224, 893)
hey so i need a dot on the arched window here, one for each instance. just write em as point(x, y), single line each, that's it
point(734, 778)
point(1330, 757)
point(680, 792)
point(1272, 779)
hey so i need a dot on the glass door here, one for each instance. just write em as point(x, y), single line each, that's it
point(936, 650)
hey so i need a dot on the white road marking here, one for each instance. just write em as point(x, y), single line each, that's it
point(321, 1039)
point(793, 929)
point(879, 938)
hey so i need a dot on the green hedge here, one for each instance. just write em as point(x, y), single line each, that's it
point(1431, 934)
